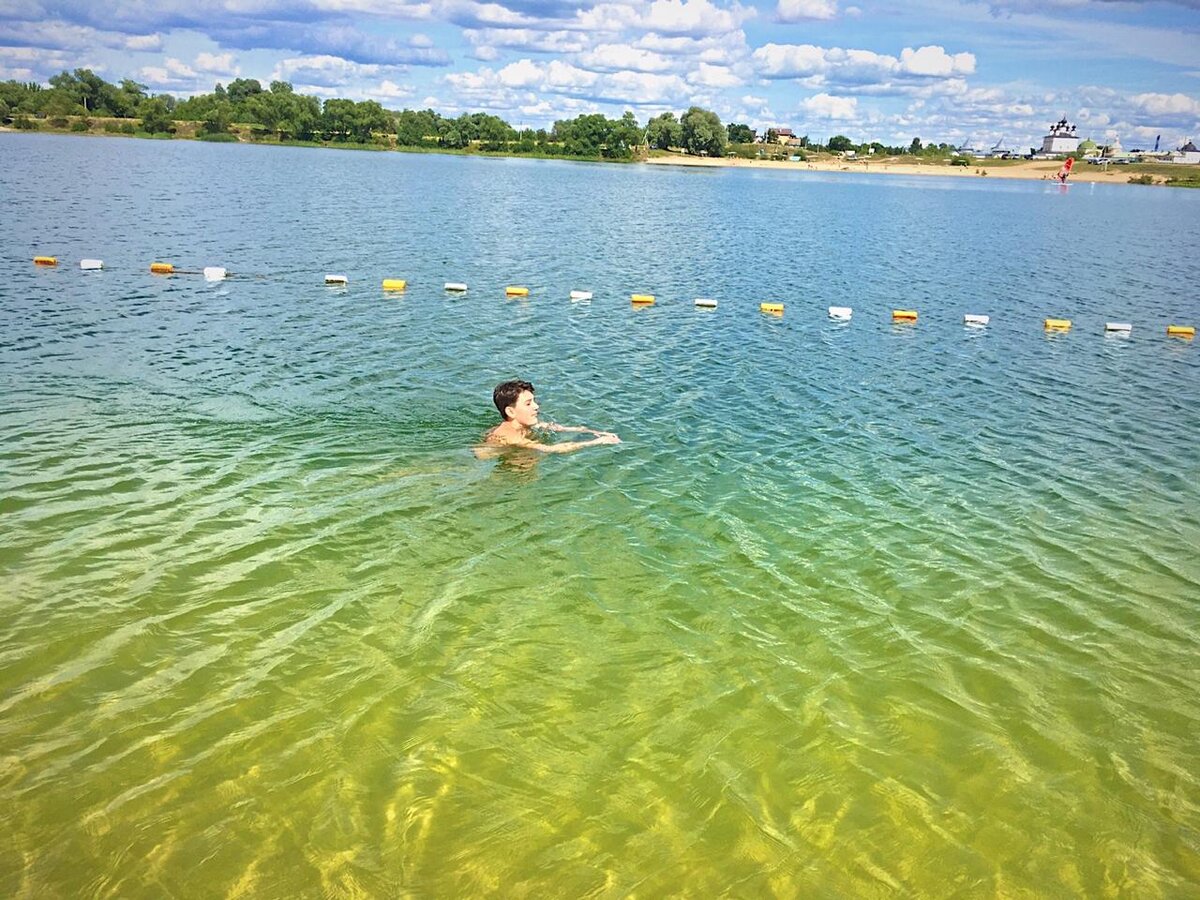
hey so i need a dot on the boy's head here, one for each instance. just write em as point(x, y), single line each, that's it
point(514, 400)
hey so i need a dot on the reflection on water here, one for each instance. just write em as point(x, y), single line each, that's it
point(858, 609)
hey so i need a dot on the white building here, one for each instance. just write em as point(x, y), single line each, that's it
point(1187, 154)
point(1061, 139)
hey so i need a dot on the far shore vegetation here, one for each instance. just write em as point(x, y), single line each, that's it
point(244, 111)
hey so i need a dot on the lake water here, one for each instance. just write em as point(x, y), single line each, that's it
point(855, 609)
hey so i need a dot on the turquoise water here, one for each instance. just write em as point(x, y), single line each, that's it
point(855, 609)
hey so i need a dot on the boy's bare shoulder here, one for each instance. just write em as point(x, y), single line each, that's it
point(495, 436)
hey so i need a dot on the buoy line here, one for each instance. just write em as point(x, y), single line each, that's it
point(773, 308)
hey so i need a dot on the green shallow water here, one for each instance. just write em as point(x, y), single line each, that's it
point(855, 610)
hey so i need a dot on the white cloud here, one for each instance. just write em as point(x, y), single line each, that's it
point(789, 60)
point(389, 90)
point(56, 34)
point(798, 10)
point(397, 9)
point(617, 57)
point(523, 73)
point(1166, 104)
point(693, 17)
point(857, 67)
point(328, 71)
point(144, 42)
point(716, 77)
point(608, 18)
point(471, 14)
point(488, 42)
point(935, 61)
point(216, 64)
point(30, 64)
point(173, 73)
point(725, 49)
point(824, 106)
point(639, 88)
point(561, 76)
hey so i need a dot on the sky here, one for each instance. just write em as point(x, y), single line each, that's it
point(956, 71)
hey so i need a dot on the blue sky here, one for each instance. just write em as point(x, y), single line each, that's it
point(941, 70)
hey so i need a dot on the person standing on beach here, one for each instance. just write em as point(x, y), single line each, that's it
point(517, 407)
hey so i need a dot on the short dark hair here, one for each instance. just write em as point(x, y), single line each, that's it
point(506, 394)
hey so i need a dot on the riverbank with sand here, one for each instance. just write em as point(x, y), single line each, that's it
point(1035, 170)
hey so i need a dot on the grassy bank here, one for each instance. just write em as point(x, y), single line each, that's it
point(252, 134)
point(1135, 173)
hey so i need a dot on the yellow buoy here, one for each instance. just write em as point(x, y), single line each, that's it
point(162, 268)
point(514, 291)
point(45, 260)
point(642, 299)
point(773, 308)
point(394, 284)
point(1058, 324)
point(1182, 330)
point(904, 315)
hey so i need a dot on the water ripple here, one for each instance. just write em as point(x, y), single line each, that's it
point(855, 609)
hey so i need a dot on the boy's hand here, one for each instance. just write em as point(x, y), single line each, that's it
point(606, 437)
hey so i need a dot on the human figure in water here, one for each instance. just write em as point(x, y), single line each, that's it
point(517, 407)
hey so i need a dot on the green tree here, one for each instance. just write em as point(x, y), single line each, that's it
point(155, 115)
point(369, 119)
point(626, 136)
point(60, 101)
point(417, 128)
point(84, 88)
point(703, 132)
point(839, 143)
point(337, 119)
point(242, 88)
point(739, 134)
point(664, 132)
point(593, 135)
point(915, 146)
point(345, 120)
point(305, 117)
point(219, 118)
point(123, 100)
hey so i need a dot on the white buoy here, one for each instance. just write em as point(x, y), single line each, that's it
point(336, 279)
point(840, 312)
point(457, 286)
point(706, 302)
point(971, 319)
point(1121, 327)
point(581, 295)
point(214, 273)
point(89, 265)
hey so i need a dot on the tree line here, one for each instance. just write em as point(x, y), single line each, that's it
point(277, 112)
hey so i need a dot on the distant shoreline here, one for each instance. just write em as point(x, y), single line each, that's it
point(1027, 170)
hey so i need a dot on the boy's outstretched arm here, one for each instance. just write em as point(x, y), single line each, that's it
point(569, 447)
point(574, 429)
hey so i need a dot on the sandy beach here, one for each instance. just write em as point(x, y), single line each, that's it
point(1035, 170)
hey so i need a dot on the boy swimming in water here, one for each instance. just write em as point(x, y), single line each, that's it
point(519, 409)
